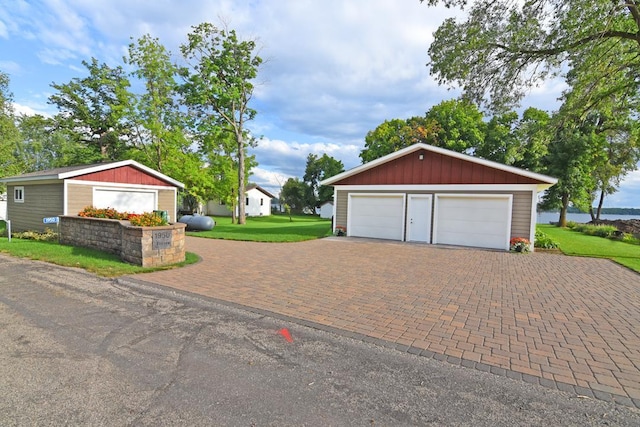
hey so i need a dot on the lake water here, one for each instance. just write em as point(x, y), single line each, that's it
point(547, 217)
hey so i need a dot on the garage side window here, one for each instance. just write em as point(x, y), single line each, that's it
point(18, 194)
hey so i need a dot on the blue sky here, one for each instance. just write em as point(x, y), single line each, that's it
point(334, 70)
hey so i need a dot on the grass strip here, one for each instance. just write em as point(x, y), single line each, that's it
point(272, 228)
point(94, 261)
point(578, 244)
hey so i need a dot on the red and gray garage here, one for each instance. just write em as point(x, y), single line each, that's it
point(125, 186)
point(432, 195)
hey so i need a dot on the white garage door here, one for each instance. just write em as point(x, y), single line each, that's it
point(467, 220)
point(132, 201)
point(379, 216)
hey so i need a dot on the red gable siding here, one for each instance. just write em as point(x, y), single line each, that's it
point(123, 175)
point(434, 169)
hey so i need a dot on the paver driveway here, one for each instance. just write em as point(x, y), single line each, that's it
point(565, 322)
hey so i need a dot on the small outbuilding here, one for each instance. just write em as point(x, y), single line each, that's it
point(257, 203)
point(326, 210)
point(429, 194)
point(126, 186)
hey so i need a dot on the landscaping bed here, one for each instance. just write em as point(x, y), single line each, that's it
point(631, 226)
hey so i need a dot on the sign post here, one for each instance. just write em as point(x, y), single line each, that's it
point(53, 220)
point(50, 220)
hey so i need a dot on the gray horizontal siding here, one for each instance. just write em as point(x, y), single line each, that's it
point(40, 201)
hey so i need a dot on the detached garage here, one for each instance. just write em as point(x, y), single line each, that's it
point(125, 186)
point(432, 195)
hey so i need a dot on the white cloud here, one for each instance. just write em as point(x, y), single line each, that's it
point(55, 56)
point(4, 31)
point(31, 110)
point(269, 180)
point(10, 67)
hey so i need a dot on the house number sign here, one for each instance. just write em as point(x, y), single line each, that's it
point(161, 239)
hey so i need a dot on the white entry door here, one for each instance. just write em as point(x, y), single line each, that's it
point(419, 218)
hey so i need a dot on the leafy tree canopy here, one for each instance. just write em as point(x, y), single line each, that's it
point(9, 133)
point(460, 125)
point(93, 109)
point(318, 169)
point(504, 48)
point(295, 194)
point(219, 86)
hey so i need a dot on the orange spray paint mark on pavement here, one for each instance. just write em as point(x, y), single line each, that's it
point(285, 333)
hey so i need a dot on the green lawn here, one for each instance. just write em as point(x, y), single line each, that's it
point(272, 228)
point(578, 244)
point(100, 263)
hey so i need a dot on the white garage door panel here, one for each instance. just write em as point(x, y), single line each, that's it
point(468, 221)
point(379, 217)
point(132, 201)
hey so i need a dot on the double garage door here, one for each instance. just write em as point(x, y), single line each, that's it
point(456, 219)
point(126, 200)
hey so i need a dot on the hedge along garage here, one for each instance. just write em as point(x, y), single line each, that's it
point(432, 195)
point(125, 186)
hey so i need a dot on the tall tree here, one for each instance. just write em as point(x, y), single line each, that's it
point(503, 48)
point(295, 194)
point(157, 123)
point(44, 147)
point(615, 152)
point(218, 149)
point(533, 133)
point(500, 143)
point(158, 126)
point(93, 109)
point(569, 159)
point(318, 169)
point(460, 125)
point(219, 87)
point(395, 134)
point(9, 133)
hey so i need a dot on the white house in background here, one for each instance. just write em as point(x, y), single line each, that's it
point(3, 206)
point(257, 203)
point(326, 210)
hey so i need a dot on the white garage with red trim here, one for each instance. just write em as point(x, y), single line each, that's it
point(431, 195)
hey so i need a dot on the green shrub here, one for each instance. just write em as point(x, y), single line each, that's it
point(629, 238)
point(580, 228)
point(48, 235)
point(571, 224)
point(603, 230)
point(543, 241)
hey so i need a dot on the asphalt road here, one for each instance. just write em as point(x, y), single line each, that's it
point(80, 350)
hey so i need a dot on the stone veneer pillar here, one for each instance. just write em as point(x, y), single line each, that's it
point(144, 246)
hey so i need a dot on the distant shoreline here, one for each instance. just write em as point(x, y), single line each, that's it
point(605, 211)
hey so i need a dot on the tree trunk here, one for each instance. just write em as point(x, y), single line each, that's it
point(562, 222)
point(241, 184)
point(600, 203)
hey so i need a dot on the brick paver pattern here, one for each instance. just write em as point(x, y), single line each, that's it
point(570, 320)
